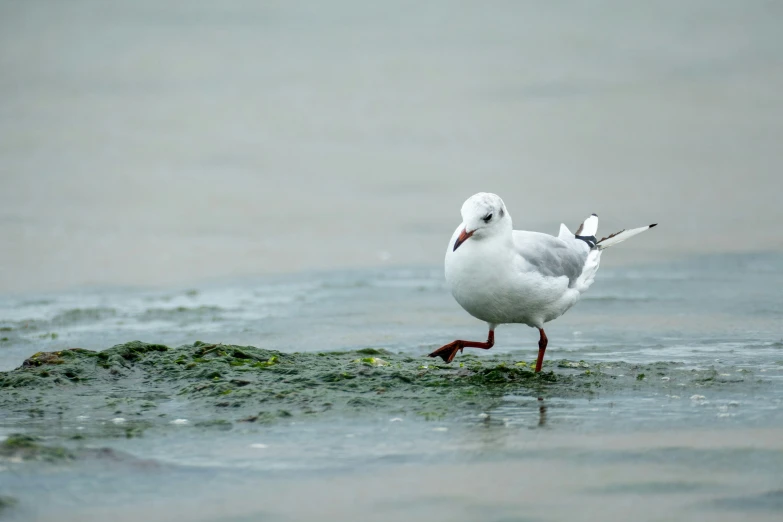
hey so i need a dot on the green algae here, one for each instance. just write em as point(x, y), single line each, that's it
point(373, 351)
point(26, 447)
point(42, 358)
point(254, 385)
point(7, 503)
point(218, 424)
point(372, 361)
point(135, 350)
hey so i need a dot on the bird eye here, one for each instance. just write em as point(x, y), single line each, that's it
point(487, 218)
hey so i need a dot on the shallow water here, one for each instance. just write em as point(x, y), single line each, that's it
point(696, 436)
point(702, 310)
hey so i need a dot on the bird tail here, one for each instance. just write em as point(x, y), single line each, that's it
point(587, 230)
point(619, 237)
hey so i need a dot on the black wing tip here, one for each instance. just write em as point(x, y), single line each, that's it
point(594, 214)
point(654, 225)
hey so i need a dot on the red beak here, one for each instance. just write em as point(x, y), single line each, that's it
point(463, 236)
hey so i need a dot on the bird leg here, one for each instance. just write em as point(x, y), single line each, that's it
point(542, 342)
point(448, 351)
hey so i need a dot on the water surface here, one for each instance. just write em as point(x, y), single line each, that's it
point(686, 421)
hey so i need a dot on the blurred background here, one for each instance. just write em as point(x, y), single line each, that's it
point(159, 143)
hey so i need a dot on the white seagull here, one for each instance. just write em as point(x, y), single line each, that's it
point(501, 275)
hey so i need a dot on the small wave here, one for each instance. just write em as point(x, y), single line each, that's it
point(617, 298)
point(180, 312)
point(77, 315)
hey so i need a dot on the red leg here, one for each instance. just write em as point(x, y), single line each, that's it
point(542, 342)
point(448, 351)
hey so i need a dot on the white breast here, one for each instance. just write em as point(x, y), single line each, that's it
point(488, 280)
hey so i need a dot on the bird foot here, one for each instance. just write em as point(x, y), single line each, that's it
point(447, 351)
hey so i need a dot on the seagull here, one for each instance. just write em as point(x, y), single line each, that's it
point(500, 275)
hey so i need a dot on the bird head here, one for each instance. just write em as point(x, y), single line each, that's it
point(483, 215)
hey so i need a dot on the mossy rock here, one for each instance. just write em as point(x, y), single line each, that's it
point(235, 383)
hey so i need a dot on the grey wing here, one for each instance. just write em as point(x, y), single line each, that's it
point(551, 256)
